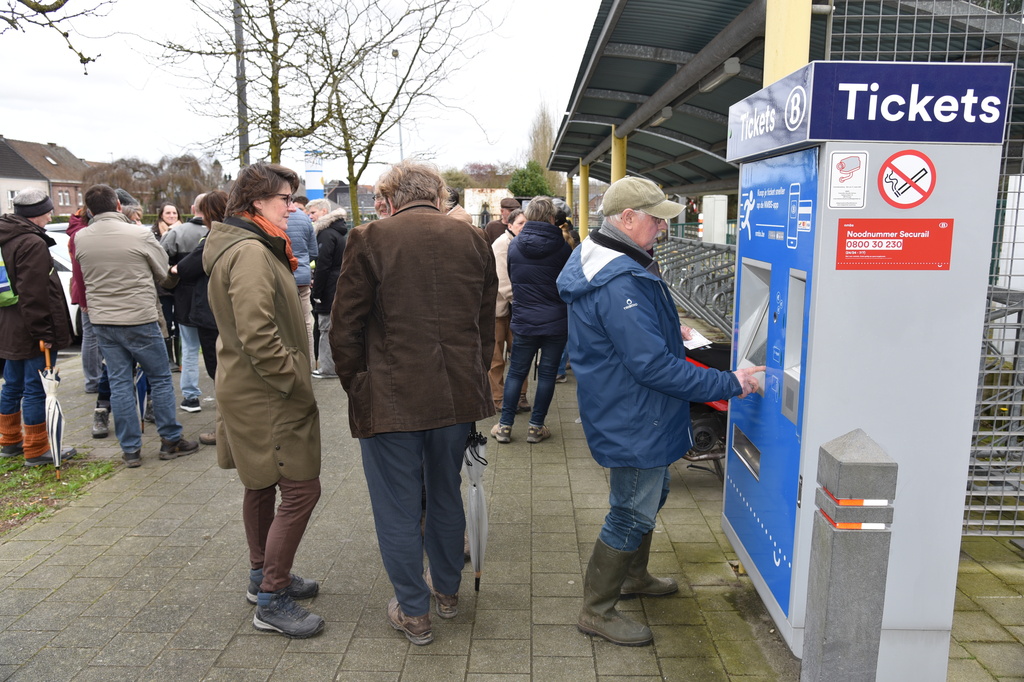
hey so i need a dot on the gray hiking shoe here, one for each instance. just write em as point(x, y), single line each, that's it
point(277, 612)
point(299, 588)
point(100, 422)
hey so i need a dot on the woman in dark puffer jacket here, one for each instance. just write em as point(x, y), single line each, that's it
point(539, 321)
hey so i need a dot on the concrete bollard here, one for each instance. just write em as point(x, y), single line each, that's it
point(849, 560)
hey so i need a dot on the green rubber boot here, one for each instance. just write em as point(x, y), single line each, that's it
point(605, 575)
point(639, 581)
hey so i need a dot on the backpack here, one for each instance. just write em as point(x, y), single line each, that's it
point(7, 293)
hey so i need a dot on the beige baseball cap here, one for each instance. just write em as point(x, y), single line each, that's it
point(639, 194)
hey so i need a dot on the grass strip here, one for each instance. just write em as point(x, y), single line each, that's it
point(28, 492)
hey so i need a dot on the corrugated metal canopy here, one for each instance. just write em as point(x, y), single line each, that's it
point(645, 55)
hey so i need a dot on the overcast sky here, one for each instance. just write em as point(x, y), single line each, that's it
point(128, 106)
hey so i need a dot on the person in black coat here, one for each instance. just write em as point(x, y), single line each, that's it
point(331, 234)
point(194, 279)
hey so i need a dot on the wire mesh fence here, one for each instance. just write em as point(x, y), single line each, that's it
point(701, 278)
point(973, 31)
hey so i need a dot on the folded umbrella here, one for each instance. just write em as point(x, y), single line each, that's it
point(141, 389)
point(54, 415)
point(474, 465)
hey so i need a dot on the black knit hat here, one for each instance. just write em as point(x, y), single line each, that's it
point(125, 198)
point(32, 202)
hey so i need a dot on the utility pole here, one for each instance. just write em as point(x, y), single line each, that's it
point(401, 154)
point(243, 108)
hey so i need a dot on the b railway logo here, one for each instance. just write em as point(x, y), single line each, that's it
point(796, 107)
point(906, 179)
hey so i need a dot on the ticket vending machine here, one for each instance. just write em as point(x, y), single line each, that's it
point(866, 210)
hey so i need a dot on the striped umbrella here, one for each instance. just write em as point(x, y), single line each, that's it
point(54, 415)
point(473, 466)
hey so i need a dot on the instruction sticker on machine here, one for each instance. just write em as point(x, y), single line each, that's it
point(894, 244)
point(847, 184)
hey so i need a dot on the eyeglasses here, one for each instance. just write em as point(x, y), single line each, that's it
point(654, 217)
point(288, 198)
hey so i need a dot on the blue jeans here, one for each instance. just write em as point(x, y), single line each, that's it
point(92, 360)
point(524, 348)
point(122, 347)
point(636, 496)
point(563, 362)
point(23, 391)
point(189, 361)
point(398, 466)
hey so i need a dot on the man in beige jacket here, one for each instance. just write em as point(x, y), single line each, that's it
point(120, 262)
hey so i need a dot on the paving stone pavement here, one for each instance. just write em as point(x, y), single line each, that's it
point(144, 577)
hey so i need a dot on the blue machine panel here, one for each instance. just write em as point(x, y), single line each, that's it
point(775, 235)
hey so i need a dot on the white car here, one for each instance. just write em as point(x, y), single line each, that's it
point(62, 261)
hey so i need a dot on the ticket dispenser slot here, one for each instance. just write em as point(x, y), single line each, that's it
point(753, 315)
point(748, 453)
point(792, 362)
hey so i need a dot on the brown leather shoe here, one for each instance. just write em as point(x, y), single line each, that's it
point(524, 404)
point(172, 449)
point(208, 438)
point(417, 630)
point(447, 604)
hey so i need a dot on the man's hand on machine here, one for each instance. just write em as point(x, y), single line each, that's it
point(748, 382)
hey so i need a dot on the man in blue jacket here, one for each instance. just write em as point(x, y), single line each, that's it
point(634, 388)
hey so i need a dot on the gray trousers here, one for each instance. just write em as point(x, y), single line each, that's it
point(326, 359)
point(398, 468)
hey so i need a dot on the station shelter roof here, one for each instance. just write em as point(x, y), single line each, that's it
point(664, 73)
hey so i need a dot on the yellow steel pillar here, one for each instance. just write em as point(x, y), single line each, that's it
point(618, 157)
point(568, 193)
point(787, 37)
point(584, 226)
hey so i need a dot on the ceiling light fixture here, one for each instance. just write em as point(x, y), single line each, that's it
point(729, 68)
point(665, 115)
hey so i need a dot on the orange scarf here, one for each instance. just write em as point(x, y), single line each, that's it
point(274, 231)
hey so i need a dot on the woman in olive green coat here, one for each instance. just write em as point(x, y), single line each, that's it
point(268, 425)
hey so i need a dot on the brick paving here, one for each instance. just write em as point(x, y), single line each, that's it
point(144, 577)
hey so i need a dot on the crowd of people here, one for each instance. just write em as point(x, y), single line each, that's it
point(419, 314)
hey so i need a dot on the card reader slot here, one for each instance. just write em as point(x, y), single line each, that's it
point(748, 453)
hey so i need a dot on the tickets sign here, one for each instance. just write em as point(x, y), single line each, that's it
point(894, 244)
point(872, 101)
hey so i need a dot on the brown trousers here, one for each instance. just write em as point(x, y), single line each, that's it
point(502, 347)
point(274, 538)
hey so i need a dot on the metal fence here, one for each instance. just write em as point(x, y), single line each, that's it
point(971, 31)
point(701, 277)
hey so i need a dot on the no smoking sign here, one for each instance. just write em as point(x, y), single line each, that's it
point(906, 179)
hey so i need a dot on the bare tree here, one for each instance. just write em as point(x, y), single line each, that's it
point(52, 15)
point(174, 179)
point(416, 47)
point(489, 175)
point(289, 59)
point(542, 141)
point(301, 55)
